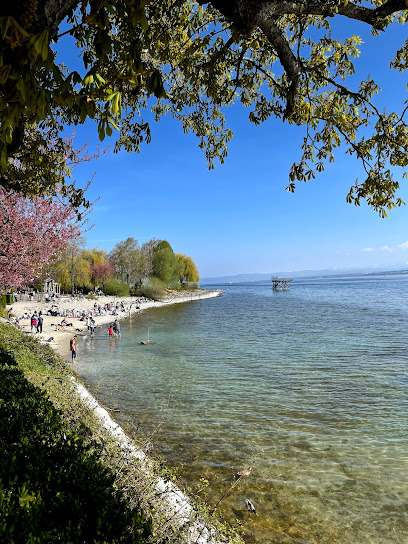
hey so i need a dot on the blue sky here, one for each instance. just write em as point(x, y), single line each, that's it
point(238, 218)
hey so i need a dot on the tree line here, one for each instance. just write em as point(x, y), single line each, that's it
point(130, 268)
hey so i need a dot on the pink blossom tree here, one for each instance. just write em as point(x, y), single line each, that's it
point(102, 272)
point(33, 232)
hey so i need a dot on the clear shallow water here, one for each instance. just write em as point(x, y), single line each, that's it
point(309, 387)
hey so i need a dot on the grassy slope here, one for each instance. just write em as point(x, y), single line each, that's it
point(53, 484)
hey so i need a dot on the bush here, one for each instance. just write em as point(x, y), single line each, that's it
point(116, 288)
point(3, 301)
point(154, 289)
point(53, 486)
point(190, 286)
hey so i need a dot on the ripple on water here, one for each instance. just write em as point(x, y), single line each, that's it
point(308, 387)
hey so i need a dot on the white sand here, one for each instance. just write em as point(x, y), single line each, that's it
point(63, 335)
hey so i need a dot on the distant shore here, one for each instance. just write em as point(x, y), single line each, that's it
point(61, 335)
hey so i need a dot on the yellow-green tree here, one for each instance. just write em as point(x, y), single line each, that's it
point(188, 269)
point(72, 270)
point(95, 255)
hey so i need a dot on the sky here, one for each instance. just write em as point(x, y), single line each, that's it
point(238, 218)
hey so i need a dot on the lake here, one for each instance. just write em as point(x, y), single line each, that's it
point(309, 387)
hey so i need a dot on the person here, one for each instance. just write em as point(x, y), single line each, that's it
point(110, 331)
point(92, 327)
point(34, 322)
point(40, 323)
point(73, 348)
point(116, 328)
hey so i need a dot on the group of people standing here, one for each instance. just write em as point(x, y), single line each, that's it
point(90, 321)
point(37, 322)
point(114, 329)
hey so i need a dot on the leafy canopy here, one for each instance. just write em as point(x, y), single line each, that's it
point(190, 60)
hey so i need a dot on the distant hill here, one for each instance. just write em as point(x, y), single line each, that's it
point(256, 278)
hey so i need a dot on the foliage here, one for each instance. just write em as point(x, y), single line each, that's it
point(95, 256)
point(191, 286)
point(72, 270)
point(42, 164)
point(129, 261)
point(188, 269)
point(154, 289)
point(116, 288)
point(166, 266)
point(53, 487)
point(32, 233)
point(100, 267)
point(101, 272)
point(128, 265)
point(279, 59)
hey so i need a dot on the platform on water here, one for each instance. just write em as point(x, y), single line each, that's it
point(280, 284)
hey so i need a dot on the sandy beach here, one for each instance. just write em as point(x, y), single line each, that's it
point(74, 312)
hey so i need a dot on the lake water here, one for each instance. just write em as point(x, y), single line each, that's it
point(309, 387)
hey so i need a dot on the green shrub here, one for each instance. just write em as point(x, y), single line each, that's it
point(154, 289)
point(3, 301)
point(116, 288)
point(190, 286)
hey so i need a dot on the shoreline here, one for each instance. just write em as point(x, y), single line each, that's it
point(170, 500)
point(68, 304)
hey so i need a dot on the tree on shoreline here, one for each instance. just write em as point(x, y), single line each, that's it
point(188, 270)
point(277, 58)
point(128, 261)
point(33, 232)
point(165, 264)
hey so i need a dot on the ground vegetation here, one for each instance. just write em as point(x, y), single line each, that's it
point(53, 484)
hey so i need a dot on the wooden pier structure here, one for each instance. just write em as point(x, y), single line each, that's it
point(280, 284)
